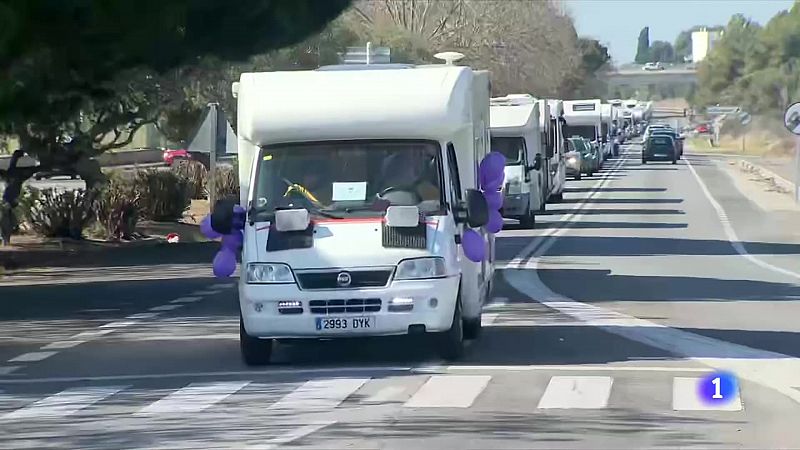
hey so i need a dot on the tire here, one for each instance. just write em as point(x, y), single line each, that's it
point(255, 351)
point(644, 161)
point(675, 160)
point(451, 342)
point(527, 221)
point(473, 328)
point(578, 177)
point(557, 198)
point(589, 173)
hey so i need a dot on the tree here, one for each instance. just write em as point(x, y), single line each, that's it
point(643, 46)
point(661, 51)
point(88, 79)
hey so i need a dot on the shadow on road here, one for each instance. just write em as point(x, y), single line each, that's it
point(622, 200)
point(612, 225)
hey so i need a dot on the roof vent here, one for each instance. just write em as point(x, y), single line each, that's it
point(449, 58)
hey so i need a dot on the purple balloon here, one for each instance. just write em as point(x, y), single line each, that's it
point(494, 199)
point(205, 228)
point(474, 248)
point(233, 241)
point(224, 263)
point(495, 223)
point(492, 166)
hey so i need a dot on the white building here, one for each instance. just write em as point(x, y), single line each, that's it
point(702, 42)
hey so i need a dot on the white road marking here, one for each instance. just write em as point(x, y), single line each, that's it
point(318, 395)
point(449, 391)
point(147, 315)
point(32, 357)
point(295, 434)
point(91, 334)
point(207, 292)
point(585, 368)
point(770, 369)
point(685, 397)
point(385, 395)
point(120, 324)
point(223, 286)
point(733, 239)
point(6, 370)
point(165, 308)
point(64, 403)
point(60, 345)
point(187, 300)
point(487, 320)
point(585, 392)
point(194, 398)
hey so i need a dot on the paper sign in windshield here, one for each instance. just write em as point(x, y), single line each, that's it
point(349, 191)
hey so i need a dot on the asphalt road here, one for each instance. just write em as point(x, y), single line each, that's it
point(646, 278)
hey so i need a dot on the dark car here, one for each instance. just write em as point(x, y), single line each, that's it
point(675, 137)
point(660, 148)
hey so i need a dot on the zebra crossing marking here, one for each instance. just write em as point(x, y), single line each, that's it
point(685, 397)
point(318, 395)
point(194, 397)
point(449, 391)
point(576, 392)
point(64, 403)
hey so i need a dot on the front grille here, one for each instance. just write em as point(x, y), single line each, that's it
point(358, 279)
point(353, 305)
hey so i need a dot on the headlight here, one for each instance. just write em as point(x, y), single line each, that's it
point(419, 268)
point(572, 160)
point(269, 273)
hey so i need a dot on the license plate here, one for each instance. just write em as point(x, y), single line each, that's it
point(344, 323)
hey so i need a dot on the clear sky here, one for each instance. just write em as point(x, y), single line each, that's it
point(616, 23)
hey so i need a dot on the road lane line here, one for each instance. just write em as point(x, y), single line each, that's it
point(733, 238)
point(584, 368)
point(223, 286)
point(387, 394)
point(165, 308)
point(318, 395)
point(61, 345)
point(685, 397)
point(32, 357)
point(64, 403)
point(91, 334)
point(119, 324)
point(147, 315)
point(187, 300)
point(582, 392)
point(207, 292)
point(488, 320)
point(6, 370)
point(295, 434)
point(194, 398)
point(449, 391)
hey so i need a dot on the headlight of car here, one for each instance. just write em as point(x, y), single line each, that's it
point(420, 268)
point(269, 273)
point(572, 160)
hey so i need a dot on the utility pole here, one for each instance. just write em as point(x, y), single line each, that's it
point(212, 154)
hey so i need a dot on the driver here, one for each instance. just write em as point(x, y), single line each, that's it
point(401, 171)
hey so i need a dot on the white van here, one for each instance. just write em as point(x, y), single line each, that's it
point(584, 119)
point(556, 151)
point(516, 134)
point(607, 129)
point(358, 185)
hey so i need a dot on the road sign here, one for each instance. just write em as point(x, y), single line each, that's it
point(745, 118)
point(791, 119)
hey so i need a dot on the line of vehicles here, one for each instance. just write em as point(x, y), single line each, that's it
point(365, 214)
point(662, 143)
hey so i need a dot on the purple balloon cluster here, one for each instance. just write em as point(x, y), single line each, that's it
point(225, 260)
point(491, 175)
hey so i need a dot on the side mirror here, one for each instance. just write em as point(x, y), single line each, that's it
point(477, 209)
point(537, 163)
point(222, 216)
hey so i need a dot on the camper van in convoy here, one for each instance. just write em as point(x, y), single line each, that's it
point(557, 162)
point(606, 129)
point(358, 186)
point(584, 119)
point(516, 134)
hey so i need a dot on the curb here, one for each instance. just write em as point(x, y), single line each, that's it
point(785, 185)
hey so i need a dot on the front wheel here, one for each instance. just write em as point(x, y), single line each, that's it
point(255, 351)
point(451, 342)
point(674, 161)
point(528, 220)
point(644, 161)
point(556, 198)
point(473, 328)
point(578, 176)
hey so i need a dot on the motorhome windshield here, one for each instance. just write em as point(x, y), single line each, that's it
point(587, 131)
point(359, 178)
point(511, 147)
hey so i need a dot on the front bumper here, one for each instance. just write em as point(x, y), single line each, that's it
point(515, 205)
point(259, 308)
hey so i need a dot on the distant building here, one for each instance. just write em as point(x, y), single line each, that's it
point(702, 42)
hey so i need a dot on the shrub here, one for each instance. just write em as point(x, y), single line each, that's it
point(117, 208)
point(195, 174)
point(226, 182)
point(57, 213)
point(164, 195)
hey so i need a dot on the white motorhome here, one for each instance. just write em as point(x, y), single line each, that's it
point(558, 151)
point(584, 119)
point(358, 185)
point(516, 134)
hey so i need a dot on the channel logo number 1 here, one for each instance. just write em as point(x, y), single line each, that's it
point(717, 388)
